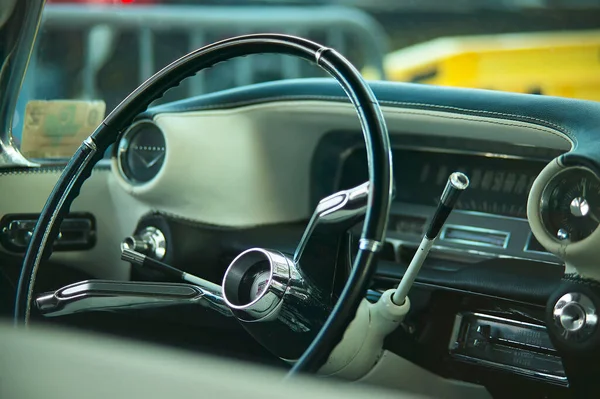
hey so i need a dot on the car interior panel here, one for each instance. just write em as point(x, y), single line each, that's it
point(308, 236)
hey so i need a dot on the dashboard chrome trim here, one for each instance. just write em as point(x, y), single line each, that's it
point(463, 254)
point(453, 345)
point(370, 245)
point(444, 233)
point(517, 229)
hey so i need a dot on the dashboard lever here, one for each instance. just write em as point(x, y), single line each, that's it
point(456, 184)
point(106, 295)
point(335, 213)
point(139, 259)
point(322, 241)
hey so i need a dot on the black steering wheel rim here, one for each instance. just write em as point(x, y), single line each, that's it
point(374, 130)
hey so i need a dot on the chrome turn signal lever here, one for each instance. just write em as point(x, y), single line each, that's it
point(105, 295)
point(282, 300)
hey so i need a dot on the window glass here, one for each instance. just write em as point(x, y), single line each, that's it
point(91, 53)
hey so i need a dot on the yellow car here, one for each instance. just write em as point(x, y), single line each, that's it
point(565, 64)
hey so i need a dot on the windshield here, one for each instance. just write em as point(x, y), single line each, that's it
point(98, 51)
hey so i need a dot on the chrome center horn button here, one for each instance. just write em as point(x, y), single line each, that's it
point(255, 283)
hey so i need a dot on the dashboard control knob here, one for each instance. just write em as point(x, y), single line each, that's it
point(150, 242)
point(562, 234)
point(575, 317)
point(579, 207)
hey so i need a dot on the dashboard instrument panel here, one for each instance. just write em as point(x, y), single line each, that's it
point(499, 185)
point(490, 219)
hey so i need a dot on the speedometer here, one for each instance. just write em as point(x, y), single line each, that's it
point(141, 152)
point(570, 207)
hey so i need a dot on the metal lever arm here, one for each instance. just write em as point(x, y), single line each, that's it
point(317, 252)
point(334, 214)
point(106, 295)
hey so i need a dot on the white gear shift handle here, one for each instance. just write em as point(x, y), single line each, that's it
point(362, 344)
point(457, 183)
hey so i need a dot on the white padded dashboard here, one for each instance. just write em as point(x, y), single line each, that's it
point(251, 166)
point(239, 167)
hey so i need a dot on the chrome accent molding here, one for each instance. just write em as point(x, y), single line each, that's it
point(527, 246)
point(518, 230)
point(366, 244)
point(319, 53)
point(445, 229)
point(90, 143)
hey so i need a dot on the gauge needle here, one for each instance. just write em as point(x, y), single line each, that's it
point(594, 217)
point(584, 195)
point(150, 163)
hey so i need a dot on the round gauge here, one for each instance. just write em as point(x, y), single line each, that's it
point(570, 208)
point(141, 152)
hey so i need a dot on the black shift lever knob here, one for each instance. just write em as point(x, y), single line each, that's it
point(457, 183)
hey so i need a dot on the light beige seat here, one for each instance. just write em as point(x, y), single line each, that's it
point(47, 363)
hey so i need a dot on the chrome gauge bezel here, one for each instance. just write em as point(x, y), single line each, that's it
point(549, 187)
point(123, 149)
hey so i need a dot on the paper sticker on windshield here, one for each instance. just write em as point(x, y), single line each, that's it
point(56, 128)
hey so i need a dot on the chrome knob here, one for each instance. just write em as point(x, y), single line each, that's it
point(150, 242)
point(575, 316)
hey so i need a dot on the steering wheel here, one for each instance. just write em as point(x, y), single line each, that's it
point(376, 137)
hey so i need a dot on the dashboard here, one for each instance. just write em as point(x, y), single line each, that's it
point(221, 173)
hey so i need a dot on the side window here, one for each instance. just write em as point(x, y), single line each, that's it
point(87, 59)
